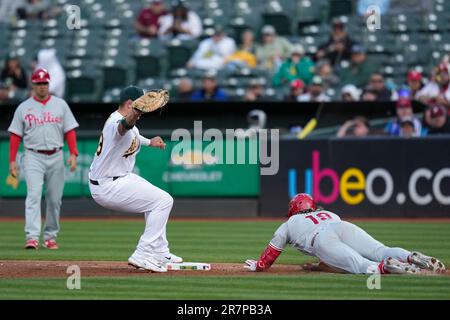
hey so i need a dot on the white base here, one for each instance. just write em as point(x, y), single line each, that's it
point(188, 266)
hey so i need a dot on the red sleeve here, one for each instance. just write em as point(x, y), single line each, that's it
point(267, 258)
point(14, 144)
point(71, 139)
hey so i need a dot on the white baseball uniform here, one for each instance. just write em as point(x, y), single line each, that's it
point(42, 125)
point(114, 186)
point(337, 243)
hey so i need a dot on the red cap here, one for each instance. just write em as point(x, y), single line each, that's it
point(414, 76)
point(404, 103)
point(40, 76)
point(297, 84)
point(437, 111)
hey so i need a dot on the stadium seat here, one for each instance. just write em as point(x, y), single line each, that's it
point(83, 85)
point(179, 53)
point(280, 21)
point(339, 8)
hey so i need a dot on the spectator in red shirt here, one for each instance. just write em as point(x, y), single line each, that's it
point(147, 22)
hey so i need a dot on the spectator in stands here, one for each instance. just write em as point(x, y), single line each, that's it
point(34, 10)
point(437, 91)
point(212, 52)
point(147, 23)
point(185, 89)
point(315, 92)
point(255, 91)
point(376, 90)
point(359, 71)
point(210, 90)
point(47, 59)
point(298, 66)
point(181, 23)
point(407, 129)
point(358, 127)
point(350, 93)
point(363, 5)
point(414, 83)
point(245, 55)
point(404, 110)
point(436, 120)
point(273, 50)
point(4, 93)
point(8, 10)
point(325, 71)
point(339, 45)
point(13, 74)
point(297, 88)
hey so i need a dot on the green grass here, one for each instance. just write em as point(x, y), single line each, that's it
point(217, 242)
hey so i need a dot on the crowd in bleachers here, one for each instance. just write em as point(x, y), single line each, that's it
point(233, 50)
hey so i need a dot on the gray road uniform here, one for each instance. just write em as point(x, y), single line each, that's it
point(42, 126)
point(338, 243)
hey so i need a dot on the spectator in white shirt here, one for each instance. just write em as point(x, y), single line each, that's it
point(315, 92)
point(181, 23)
point(212, 52)
point(437, 91)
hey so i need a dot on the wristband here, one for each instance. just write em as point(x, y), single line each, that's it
point(125, 124)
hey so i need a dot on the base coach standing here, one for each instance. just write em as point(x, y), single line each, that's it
point(43, 122)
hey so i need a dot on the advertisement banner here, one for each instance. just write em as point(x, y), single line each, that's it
point(185, 179)
point(363, 177)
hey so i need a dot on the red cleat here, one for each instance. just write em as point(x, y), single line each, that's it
point(51, 244)
point(32, 244)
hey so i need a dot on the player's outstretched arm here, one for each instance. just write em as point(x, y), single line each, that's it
point(129, 121)
point(265, 261)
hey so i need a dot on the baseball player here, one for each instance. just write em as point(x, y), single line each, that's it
point(114, 186)
point(339, 244)
point(43, 122)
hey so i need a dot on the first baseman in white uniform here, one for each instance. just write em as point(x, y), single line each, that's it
point(339, 244)
point(114, 186)
point(42, 122)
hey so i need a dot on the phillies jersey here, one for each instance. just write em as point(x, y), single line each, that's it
point(300, 229)
point(116, 154)
point(42, 124)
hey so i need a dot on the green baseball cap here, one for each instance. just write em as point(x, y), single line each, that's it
point(131, 93)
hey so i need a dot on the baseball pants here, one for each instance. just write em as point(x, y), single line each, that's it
point(39, 168)
point(134, 194)
point(346, 246)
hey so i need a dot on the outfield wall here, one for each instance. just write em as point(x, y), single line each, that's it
point(373, 177)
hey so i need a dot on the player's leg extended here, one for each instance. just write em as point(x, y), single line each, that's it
point(54, 187)
point(135, 194)
point(34, 169)
point(366, 245)
point(333, 252)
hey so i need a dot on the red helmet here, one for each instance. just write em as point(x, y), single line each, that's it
point(302, 202)
point(40, 75)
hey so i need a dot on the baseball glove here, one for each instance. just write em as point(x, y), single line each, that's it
point(151, 101)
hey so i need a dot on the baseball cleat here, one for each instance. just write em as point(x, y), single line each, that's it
point(50, 244)
point(425, 262)
point(32, 244)
point(393, 266)
point(147, 263)
point(167, 258)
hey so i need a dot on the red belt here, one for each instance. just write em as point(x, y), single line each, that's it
point(46, 152)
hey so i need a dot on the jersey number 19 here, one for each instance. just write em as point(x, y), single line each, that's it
point(320, 216)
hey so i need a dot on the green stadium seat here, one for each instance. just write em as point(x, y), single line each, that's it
point(339, 8)
point(280, 21)
point(116, 75)
point(83, 85)
point(179, 53)
point(310, 11)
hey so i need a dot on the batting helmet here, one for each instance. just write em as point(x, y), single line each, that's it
point(40, 76)
point(301, 203)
